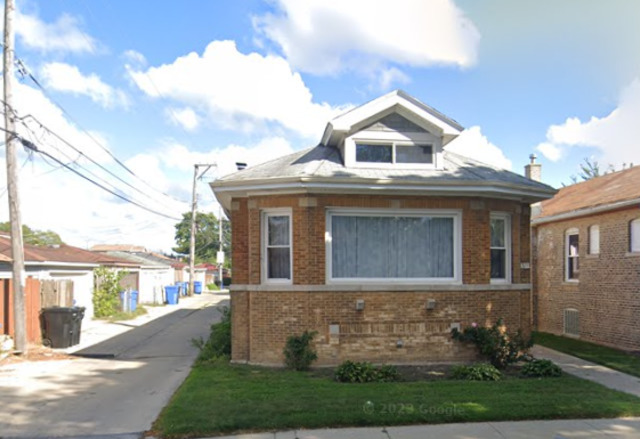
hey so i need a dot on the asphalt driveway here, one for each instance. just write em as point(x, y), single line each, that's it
point(117, 389)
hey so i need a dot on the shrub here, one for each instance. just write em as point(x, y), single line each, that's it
point(106, 294)
point(541, 369)
point(213, 287)
point(494, 343)
point(219, 343)
point(476, 372)
point(365, 372)
point(298, 353)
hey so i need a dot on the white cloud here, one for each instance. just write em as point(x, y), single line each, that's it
point(135, 59)
point(615, 135)
point(391, 76)
point(63, 35)
point(238, 91)
point(473, 144)
point(327, 36)
point(67, 78)
point(184, 117)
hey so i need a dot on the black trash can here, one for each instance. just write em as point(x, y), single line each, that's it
point(57, 326)
point(77, 324)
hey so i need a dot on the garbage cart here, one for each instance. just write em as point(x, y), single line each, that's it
point(61, 326)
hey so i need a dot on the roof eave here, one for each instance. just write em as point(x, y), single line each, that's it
point(586, 211)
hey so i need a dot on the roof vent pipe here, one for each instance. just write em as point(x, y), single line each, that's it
point(240, 166)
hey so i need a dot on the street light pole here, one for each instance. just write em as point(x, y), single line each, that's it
point(192, 239)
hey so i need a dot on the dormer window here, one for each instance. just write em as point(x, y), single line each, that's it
point(395, 152)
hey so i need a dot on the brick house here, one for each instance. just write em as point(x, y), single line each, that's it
point(377, 239)
point(587, 261)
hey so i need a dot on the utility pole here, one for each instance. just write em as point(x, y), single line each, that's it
point(17, 249)
point(192, 242)
point(220, 258)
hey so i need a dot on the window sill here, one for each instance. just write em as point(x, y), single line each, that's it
point(593, 256)
point(382, 288)
point(632, 255)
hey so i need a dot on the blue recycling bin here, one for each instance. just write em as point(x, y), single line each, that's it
point(197, 287)
point(128, 300)
point(172, 292)
point(185, 288)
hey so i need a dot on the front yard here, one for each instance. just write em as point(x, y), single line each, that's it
point(220, 398)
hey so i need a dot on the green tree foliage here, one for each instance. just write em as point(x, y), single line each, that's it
point(591, 169)
point(106, 294)
point(207, 242)
point(33, 236)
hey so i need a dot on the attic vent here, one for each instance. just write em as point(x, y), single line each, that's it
point(571, 322)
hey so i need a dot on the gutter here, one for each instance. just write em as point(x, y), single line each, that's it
point(61, 264)
point(586, 211)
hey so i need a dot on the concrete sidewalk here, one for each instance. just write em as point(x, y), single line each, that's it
point(627, 428)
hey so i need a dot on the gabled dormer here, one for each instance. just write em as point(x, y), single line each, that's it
point(393, 131)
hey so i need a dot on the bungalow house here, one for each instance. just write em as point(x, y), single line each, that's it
point(586, 247)
point(379, 240)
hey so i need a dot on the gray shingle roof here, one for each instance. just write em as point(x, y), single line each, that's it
point(324, 162)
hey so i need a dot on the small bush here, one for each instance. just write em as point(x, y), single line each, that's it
point(213, 287)
point(541, 369)
point(494, 343)
point(298, 353)
point(365, 372)
point(219, 343)
point(476, 372)
point(106, 292)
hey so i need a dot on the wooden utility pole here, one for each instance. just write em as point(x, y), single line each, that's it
point(17, 249)
point(192, 241)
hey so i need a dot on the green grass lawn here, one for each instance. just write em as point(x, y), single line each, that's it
point(223, 398)
point(613, 358)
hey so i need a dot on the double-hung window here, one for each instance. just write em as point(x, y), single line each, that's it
point(500, 224)
point(572, 263)
point(634, 236)
point(276, 246)
point(393, 246)
point(594, 240)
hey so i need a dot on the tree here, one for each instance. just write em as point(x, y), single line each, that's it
point(207, 241)
point(33, 236)
point(591, 169)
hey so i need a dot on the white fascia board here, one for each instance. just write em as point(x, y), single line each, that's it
point(586, 211)
point(399, 101)
point(60, 264)
point(380, 186)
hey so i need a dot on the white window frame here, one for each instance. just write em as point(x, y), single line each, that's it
point(634, 236)
point(567, 234)
point(394, 146)
point(448, 213)
point(264, 235)
point(594, 239)
point(507, 242)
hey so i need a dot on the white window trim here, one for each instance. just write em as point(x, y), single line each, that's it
point(457, 245)
point(633, 222)
point(593, 228)
point(264, 230)
point(507, 242)
point(568, 233)
point(393, 137)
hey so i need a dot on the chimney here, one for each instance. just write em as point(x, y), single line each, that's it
point(240, 166)
point(533, 170)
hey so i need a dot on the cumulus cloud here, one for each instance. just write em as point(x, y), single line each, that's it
point(614, 135)
point(473, 144)
point(238, 91)
point(328, 36)
point(68, 79)
point(135, 59)
point(184, 117)
point(63, 35)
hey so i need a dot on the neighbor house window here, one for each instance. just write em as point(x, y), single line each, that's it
point(394, 153)
point(370, 245)
point(634, 235)
point(500, 247)
point(572, 265)
point(594, 240)
point(276, 229)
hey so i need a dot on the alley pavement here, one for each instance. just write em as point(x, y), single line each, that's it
point(123, 376)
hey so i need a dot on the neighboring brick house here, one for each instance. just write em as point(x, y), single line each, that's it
point(587, 261)
point(377, 239)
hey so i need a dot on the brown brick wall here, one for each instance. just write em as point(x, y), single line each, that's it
point(607, 294)
point(371, 334)
point(262, 320)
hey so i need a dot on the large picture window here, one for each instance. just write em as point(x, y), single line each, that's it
point(276, 229)
point(384, 246)
point(403, 153)
point(500, 247)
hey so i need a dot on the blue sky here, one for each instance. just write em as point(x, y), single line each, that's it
point(163, 85)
